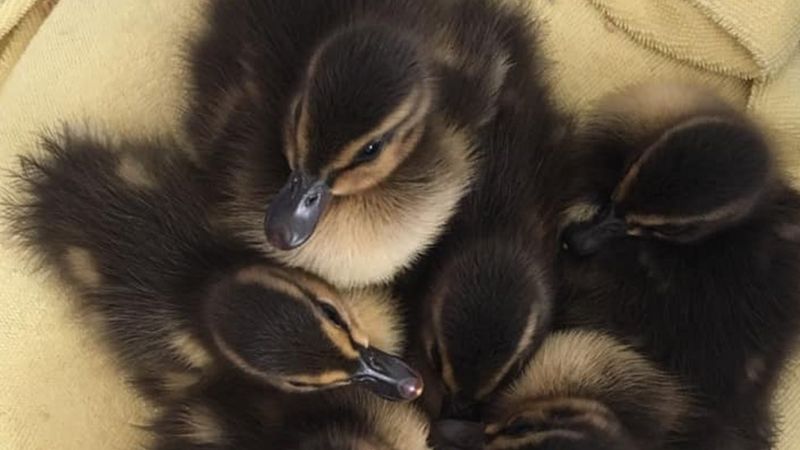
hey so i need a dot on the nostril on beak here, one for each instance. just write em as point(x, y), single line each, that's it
point(312, 199)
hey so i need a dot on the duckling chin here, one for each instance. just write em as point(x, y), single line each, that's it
point(228, 414)
point(585, 389)
point(344, 149)
point(177, 301)
point(676, 230)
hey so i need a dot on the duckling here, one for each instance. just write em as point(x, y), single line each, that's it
point(228, 414)
point(681, 239)
point(586, 390)
point(342, 135)
point(484, 293)
point(125, 226)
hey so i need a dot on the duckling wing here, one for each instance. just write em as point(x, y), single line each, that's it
point(126, 226)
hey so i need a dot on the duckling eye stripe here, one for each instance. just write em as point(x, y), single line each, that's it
point(524, 342)
point(403, 113)
point(630, 177)
point(302, 129)
point(732, 209)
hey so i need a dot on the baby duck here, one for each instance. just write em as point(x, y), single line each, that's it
point(340, 136)
point(586, 390)
point(681, 238)
point(484, 293)
point(177, 301)
point(229, 414)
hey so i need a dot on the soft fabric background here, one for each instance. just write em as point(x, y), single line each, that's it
point(115, 64)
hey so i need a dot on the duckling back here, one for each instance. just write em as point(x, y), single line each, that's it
point(126, 227)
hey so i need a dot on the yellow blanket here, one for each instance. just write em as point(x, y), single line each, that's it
point(115, 64)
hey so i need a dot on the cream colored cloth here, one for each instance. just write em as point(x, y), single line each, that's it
point(116, 64)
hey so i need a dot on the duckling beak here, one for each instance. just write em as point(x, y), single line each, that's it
point(586, 238)
point(294, 213)
point(387, 376)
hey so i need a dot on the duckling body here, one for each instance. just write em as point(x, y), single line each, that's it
point(225, 414)
point(126, 225)
point(483, 294)
point(340, 136)
point(586, 390)
point(680, 241)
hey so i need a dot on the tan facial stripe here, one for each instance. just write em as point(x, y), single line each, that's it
point(314, 290)
point(621, 192)
point(322, 379)
point(312, 380)
point(405, 109)
point(280, 280)
point(586, 411)
point(522, 345)
point(315, 287)
point(240, 362)
point(623, 188)
point(272, 279)
point(448, 375)
point(290, 134)
point(302, 131)
point(340, 338)
point(730, 210)
point(361, 176)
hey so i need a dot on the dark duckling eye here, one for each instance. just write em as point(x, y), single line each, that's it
point(333, 315)
point(373, 149)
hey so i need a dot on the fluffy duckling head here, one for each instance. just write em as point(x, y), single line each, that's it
point(672, 163)
point(586, 390)
point(489, 308)
point(359, 113)
point(295, 332)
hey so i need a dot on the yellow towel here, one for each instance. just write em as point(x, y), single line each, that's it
point(19, 21)
point(116, 64)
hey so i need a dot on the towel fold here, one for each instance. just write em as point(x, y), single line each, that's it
point(19, 21)
point(743, 38)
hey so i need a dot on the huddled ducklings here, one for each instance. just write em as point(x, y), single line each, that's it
point(340, 136)
point(225, 414)
point(483, 294)
point(586, 390)
point(126, 226)
point(681, 238)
